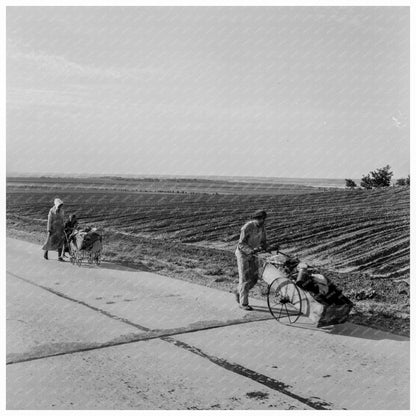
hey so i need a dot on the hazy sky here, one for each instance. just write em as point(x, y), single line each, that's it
point(252, 91)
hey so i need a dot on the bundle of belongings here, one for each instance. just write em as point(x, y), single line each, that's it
point(87, 239)
point(319, 286)
point(323, 302)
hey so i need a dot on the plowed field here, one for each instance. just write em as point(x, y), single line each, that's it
point(347, 230)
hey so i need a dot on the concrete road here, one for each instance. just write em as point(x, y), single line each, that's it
point(112, 338)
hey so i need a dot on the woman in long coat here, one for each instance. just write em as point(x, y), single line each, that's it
point(55, 229)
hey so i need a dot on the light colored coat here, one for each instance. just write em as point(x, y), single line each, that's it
point(252, 236)
point(55, 227)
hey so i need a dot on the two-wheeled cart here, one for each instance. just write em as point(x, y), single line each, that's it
point(288, 301)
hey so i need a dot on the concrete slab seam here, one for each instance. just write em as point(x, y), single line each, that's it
point(165, 335)
point(80, 302)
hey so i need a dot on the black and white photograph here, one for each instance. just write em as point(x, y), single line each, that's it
point(207, 206)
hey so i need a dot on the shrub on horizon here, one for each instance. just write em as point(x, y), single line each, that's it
point(379, 178)
point(349, 183)
point(366, 182)
point(403, 181)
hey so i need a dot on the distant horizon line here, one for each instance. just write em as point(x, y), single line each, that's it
point(146, 175)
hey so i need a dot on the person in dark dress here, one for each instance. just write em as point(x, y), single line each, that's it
point(70, 225)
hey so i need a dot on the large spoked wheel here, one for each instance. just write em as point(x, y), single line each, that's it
point(284, 301)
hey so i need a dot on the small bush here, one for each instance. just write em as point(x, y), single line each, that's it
point(349, 183)
point(403, 181)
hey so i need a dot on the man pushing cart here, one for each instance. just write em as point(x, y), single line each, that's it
point(294, 288)
point(252, 241)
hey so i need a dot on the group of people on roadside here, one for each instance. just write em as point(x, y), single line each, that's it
point(251, 242)
point(59, 230)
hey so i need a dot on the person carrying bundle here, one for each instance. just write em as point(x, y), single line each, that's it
point(321, 288)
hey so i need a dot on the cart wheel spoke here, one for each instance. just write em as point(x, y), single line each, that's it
point(291, 316)
point(280, 311)
point(287, 313)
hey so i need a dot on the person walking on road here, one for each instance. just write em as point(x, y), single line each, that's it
point(70, 225)
point(252, 241)
point(55, 230)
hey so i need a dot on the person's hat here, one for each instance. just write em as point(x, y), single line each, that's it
point(259, 214)
point(57, 202)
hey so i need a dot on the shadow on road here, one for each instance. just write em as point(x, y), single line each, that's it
point(347, 329)
point(358, 331)
point(258, 308)
point(351, 330)
point(127, 267)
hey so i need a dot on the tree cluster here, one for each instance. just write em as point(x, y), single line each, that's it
point(403, 181)
point(378, 178)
